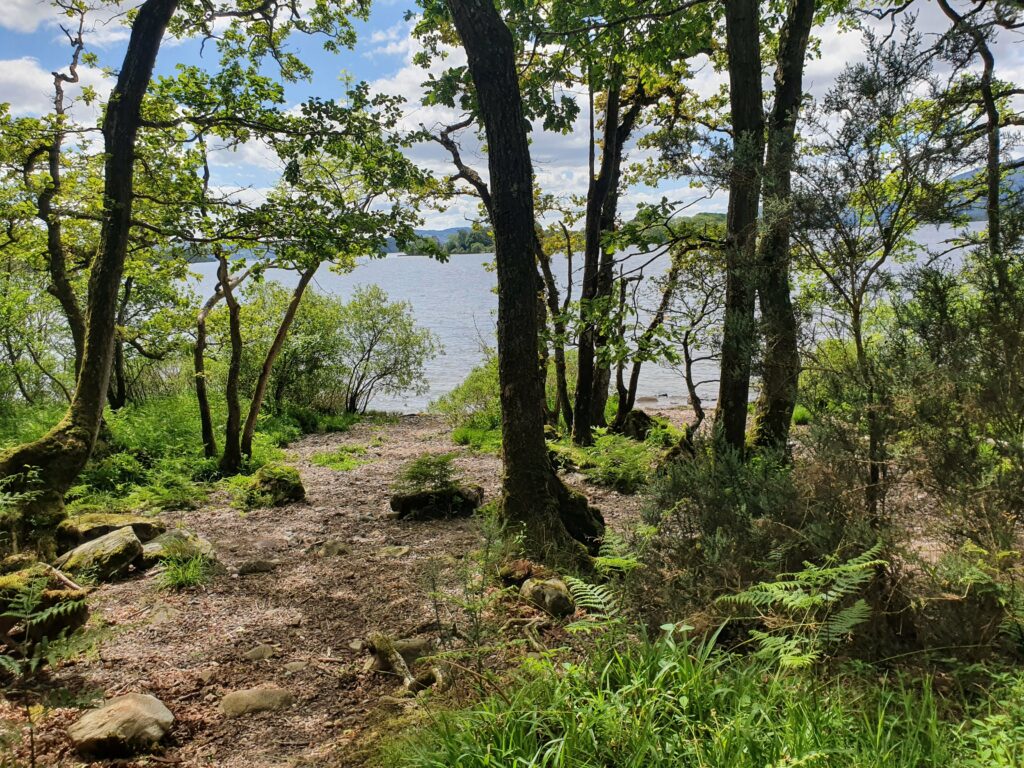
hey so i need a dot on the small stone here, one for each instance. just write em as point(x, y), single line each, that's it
point(178, 542)
point(551, 595)
point(256, 566)
point(260, 652)
point(334, 548)
point(357, 645)
point(295, 666)
point(262, 699)
point(123, 726)
point(393, 551)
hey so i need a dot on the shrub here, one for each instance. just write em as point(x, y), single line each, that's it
point(475, 402)
point(272, 485)
point(429, 473)
point(185, 572)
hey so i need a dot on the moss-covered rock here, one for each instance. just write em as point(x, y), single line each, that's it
point(180, 543)
point(91, 525)
point(54, 593)
point(18, 562)
point(274, 485)
point(104, 558)
point(454, 501)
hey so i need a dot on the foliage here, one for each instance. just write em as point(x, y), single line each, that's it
point(671, 702)
point(343, 459)
point(613, 460)
point(429, 473)
point(808, 612)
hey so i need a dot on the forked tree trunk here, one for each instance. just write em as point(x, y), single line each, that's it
point(268, 362)
point(743, 43)
point(781, 373)
point(552, 520)
point(60, 455)
point(199, 363)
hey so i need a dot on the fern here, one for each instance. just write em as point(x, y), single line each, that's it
point(600, 603)
point(809, 611)
point(615, 556)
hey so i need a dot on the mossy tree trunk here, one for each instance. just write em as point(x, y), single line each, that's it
point(743, 44)
point(59, 456)
point(552, 520)
point(231, 459)
point(781, 373)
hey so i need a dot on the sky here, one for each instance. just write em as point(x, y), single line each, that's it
point(32, 45)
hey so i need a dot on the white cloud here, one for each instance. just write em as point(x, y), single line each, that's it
point(28, 88)
point(26, 15)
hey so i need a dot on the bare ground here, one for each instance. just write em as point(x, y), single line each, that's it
point(188, 648)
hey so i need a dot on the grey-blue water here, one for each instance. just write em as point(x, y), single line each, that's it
point(456, 300)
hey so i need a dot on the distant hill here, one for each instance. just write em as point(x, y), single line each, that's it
point(1015, 182)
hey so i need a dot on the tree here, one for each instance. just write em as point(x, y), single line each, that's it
point(781, 371)
point(743, 43)
point(534, 501)
point(252, 33)
point(60, 455)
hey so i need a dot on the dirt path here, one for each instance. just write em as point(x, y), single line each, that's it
point(188, 649)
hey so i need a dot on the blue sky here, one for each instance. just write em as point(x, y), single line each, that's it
point(31, 45)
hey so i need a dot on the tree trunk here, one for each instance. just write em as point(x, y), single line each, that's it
point(563, 405)
point(781, 373)
point(268, 363)
point(738, 337)
point(589, 377)
point(231, 459)
point(61, 454)
point(552, 520)
point(117, 392)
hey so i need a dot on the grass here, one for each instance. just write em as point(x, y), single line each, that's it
point(343, 459)
point(668, 703)
point(185, 572)
point(482, 439)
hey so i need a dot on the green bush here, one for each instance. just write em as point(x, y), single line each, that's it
point(475, 402)
point(613, 460)
point(183, 568)
point(801, 416)
point(272, 485)
point(429, 473)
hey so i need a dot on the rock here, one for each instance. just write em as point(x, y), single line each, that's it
point(393, 550)
point(637, 425)
point(262, 699)
point(334, 548)
point(55, 593)
point(81, 528)
point(178, 542)
point(457, 501)
point(104, 558)
point(295, 666)
point(515, 572)
point(260, 652)
point(256, 566)
point(550, 595)
point(274, 485)
point(19, 562)
point(123, 726)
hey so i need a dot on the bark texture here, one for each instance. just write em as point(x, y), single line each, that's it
point(743, 44)
point(552, 519)
point(781, 372)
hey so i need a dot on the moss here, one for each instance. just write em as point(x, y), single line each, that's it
point(91, 525)
point(274, 485)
